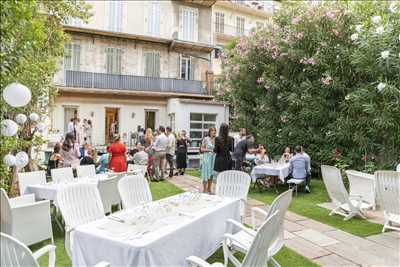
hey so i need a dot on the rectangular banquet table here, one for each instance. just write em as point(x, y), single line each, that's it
point(49, 190)
point(279, 170)
point(184, 230)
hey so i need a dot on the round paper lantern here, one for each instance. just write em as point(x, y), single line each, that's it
point(9, 160)
point(22, 159)
point(9, 128)
point(41, 127)
point(17, 95)
point(34, 117)
point(21, 118)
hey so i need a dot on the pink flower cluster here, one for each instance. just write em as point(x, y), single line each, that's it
point(310, 61)
point(331, 15)
point(326, 80)
point(300, 35)
point(295, 20)
point(242, 46)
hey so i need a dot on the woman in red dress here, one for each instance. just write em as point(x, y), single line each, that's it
point(117, 153)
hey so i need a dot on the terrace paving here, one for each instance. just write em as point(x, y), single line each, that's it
point(324, 244)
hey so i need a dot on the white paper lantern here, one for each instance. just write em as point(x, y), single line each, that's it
point(21, 118)
point(9, 128)
point(34, 117)
point(22, 159)
point(17, 95)
point(10, 160)
point(41, 127)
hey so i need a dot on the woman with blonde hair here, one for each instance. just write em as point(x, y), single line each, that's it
point(148, 148)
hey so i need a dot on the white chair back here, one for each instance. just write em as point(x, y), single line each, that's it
point(137, 167)
point(258, 253)
point(108, 189)
point(62, 175)
point(5, 212)
point(398, 167)
point(334, 184)
point(80, 203)
point(388, 191)
point(362, 184)
point(233, 184)
point(86, 171)
point(15, 253)
point(134, 190)
point(30, 178)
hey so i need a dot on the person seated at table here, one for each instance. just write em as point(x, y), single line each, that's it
point(140, 157)
point(103, 163)
point(241, 149)
point(307, 156)
point(299, 167)
point(70, 151)
point(287, 155)
point(262, 156)
point(55, 159)
point(90, 157)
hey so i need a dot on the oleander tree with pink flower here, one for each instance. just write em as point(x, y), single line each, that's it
point(325, 75)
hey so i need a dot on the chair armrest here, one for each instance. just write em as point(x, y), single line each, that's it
point(197, 262)
point(228, 238)
point(51, 249)
point(254, 211)
point(21, 200)
point(242, 227)
point(102, 264)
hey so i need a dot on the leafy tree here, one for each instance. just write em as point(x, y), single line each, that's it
point(32, 43)
point(318, 76)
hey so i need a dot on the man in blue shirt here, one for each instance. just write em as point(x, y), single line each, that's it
point(300, 167)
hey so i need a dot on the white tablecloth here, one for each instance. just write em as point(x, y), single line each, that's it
point(171, 239)
point(49, 190)
point(280, 170)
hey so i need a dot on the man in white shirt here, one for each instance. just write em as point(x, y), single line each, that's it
point(70, 128)
point(242, 135)
point(140, 157)
point(170, 152)
point(160, 147)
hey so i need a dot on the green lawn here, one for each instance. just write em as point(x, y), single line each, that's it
point(285, 257)
point(306, 205)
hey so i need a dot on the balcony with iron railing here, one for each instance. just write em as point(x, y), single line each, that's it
point(225, 30)
point(81, 79)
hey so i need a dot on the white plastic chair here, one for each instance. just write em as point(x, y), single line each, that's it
point(398, 167)
point(258, 253)
point(388, 191)
point(134, 190)
point(234, 184)
point(30, 178)
point(62, 175)
point(246, 235)
point(362, 184)
point(294, 184)
point(86, 171)
point(16, 253)
point(136, 169)
point(346, 205)
point(79, 204)
point(25, 219)
point(108, 189)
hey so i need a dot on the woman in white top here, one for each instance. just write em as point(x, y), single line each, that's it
point(287, 155)
point(262, 157)
point(88, 132)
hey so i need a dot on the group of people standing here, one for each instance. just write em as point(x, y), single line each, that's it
point(81, 131)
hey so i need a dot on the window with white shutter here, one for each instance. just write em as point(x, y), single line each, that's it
point(153, 19)
point(186, 68)
point(115, 15)
point(72, 57)
point(188, 24)
point(113, 61)
point(152, 64)
point(239, 26)
point(219, 22)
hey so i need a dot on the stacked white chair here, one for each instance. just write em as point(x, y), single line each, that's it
point(246, 235)
point(62, 175)
point(362, 184)
point(25, 219)
point(134, 190)
point(79, 204)
point(86, 171)
point(108, 189)
point(388, 191)
point(234, 184)
point(136, 169)
point(15, 253)
point(30, 178)
point(346, 205)
point(258, 253)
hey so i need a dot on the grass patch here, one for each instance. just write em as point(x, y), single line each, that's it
point(306, 205)
point(285, 257)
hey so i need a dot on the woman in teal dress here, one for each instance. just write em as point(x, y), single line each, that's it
point(207, 165)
